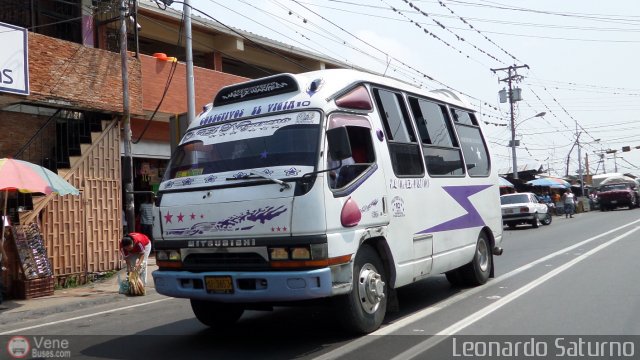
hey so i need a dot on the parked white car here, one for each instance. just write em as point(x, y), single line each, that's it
point(524, 208)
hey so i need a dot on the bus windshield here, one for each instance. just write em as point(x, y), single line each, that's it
point(270, 144)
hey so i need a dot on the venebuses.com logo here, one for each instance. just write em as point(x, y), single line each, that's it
point(40, 347)
point(18, 347)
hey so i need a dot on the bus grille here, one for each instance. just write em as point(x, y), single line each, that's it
point(224, 261)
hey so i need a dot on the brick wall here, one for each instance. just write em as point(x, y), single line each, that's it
point(21, 127)
point(67, 74)
point(157, 130)
point(154, 78)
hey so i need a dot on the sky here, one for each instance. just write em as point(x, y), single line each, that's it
point(581, 58)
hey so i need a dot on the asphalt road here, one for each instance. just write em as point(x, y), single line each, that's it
point(574, 277)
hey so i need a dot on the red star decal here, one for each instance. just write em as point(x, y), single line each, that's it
point(193, 216)
point(180, 218)
point(284, 228)
point(272, 229)
point(167, 218)
point(278, 228)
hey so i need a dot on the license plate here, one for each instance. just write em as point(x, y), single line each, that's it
point(508, 211)
point(219, 284)
point(614, 201)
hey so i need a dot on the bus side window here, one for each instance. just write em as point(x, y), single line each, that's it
point(401, 139)
point(439, 145)
point(475, 151)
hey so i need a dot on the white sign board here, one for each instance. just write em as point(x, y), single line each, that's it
point(14, 60)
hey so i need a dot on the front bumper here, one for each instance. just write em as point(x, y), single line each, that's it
point(615, 203)
point(247, 286)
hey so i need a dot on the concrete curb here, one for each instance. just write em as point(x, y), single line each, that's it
point(68, 300)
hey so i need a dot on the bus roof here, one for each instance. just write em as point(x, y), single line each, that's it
point(335, 80)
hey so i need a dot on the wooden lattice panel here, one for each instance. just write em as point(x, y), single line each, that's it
point(82, 232)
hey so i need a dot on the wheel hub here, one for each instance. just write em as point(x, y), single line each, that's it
point(483, 255)
point(370, 288)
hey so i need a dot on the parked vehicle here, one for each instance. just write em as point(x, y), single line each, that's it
point(596, 180)
point(612, 196)
point(524, 208)
point(333, 185)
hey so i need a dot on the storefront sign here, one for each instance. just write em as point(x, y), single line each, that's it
point(14, 61)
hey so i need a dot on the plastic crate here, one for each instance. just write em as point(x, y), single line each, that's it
point(29, 289)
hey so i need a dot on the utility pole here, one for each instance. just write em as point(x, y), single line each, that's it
point(511, 77)
point(126, 121)
point(580, 164)
point(191, 99)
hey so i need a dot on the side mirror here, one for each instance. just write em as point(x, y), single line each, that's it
point(339, 145)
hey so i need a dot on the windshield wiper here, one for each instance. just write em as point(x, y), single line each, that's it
point(283, 184)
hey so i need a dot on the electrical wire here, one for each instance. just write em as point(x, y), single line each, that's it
point(167, 85)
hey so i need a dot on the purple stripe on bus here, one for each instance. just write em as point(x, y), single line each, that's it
point(471, 219)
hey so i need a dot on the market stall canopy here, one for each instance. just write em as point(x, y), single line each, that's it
point(550, 182)
point(617, 180)
point(26, 177)
point(504, 182)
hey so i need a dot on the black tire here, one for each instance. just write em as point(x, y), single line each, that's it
point(547, 219)
point(364, 308)
point(535, 222)
point(215, 314)
point(477, 272)
point(633, 204)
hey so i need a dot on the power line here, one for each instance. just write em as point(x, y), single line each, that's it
point(478, 31)
point(596, 17)
point(458, 37)
point(381, 51)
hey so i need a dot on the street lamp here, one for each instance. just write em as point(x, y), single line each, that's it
point(540, 114)
point(513, 141)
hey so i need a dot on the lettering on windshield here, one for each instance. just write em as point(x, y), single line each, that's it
point(257, 110)
point(240, 126)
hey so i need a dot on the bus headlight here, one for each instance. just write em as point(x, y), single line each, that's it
point(279, 253)
point(170, 255)
point(174, 255)
point(161, 255)
point(300, 253)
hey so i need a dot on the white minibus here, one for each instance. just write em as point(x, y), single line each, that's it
point(332, 185)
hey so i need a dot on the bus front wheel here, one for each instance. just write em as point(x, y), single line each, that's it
point(363, 309)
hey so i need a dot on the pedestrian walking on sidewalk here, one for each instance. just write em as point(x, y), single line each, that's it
point(135, 248)
point(146, 217)
point(569, 201)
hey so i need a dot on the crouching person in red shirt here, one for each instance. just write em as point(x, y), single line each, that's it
point(135, 248)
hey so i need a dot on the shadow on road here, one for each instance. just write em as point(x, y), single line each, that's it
point(301, 332)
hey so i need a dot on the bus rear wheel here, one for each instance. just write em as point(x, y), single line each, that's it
point(477, 272)
point(215, 314)
point(364, 308)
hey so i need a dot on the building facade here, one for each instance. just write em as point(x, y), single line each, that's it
point(70, 121)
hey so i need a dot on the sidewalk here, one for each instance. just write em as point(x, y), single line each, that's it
point(64, 300)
